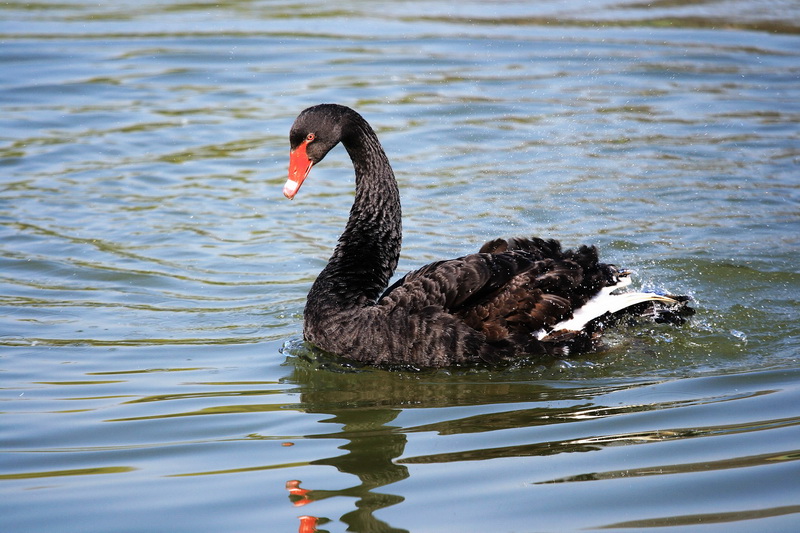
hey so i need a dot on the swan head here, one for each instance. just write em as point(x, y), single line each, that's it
point(314, 133)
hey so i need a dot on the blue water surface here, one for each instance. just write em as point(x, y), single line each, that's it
point(153, 375)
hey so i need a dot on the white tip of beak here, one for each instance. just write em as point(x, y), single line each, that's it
point(290, 189)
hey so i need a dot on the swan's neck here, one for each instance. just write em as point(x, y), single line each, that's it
point(369, 248)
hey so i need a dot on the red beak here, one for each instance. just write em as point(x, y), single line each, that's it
point(299, 167)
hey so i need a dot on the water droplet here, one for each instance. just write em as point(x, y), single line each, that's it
point(739, 335)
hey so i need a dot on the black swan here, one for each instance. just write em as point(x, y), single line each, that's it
point(514, 298)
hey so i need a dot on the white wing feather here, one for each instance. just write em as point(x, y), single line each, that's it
point(608, 300)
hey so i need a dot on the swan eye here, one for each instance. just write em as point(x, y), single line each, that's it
point(310, 137)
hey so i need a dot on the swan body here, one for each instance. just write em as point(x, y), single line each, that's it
point(513, 298)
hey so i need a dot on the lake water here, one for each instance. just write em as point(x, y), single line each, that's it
point(152, 276)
